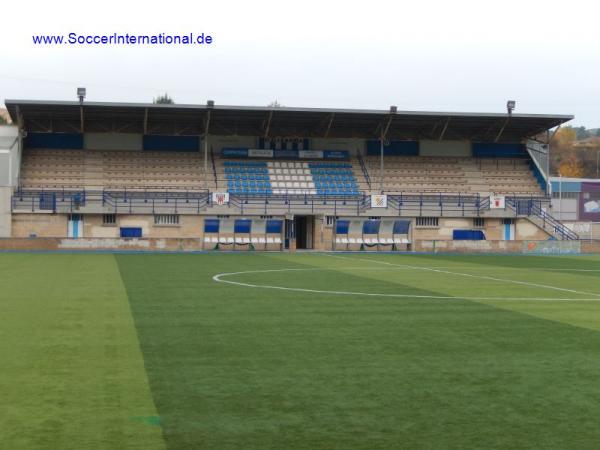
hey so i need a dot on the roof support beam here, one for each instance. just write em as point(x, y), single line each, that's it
point(146, 121)
point(267, 125)
point(443, 133)
point(385, 127)
point(329, 125)
point(554, 134)
point(81, 122)
point(206, 131)
point(499, 135)
point(20, 121)
point(328, 129)
point(384, 131)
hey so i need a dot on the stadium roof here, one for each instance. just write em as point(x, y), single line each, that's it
point(68, 116)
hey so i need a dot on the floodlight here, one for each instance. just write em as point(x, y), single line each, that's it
point(510, 106)
point(81, 94)
point(393, 109)
point(210, 104)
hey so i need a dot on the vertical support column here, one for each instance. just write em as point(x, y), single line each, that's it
point(381, 168)
point(206, 161)
point(206, 135)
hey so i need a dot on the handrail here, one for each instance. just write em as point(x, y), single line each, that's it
point(364, 170)
point(534, 208)
point(212, 158)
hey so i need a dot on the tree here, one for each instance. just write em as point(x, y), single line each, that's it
point(3, 120)
point(563, 154)
point(582, 133)
point(163, 100)
point(598, 132)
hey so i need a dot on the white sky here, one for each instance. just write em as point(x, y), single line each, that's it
point(448, 55)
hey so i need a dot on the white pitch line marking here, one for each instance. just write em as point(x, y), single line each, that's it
point(470, 275)
point(219, 278)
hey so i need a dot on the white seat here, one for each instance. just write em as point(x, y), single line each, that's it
point(229, 240)
point(254, 240)
point(207, 239)
point(344, 240)
point(215, 239)
point(397, 240)
point(278, 240)
point(352, 240)
point(262, 240)
point(270, 240)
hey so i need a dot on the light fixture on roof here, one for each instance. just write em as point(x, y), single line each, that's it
point(210, 104)
point(510, 106)
point(393, 109)
point(81, 94)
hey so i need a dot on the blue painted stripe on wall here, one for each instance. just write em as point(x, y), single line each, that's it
point(171, 143)
point(491, 150)
point(54, 140)
point(394, 148)
point(566, 186)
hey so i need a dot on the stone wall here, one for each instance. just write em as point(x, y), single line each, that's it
point(192, 244)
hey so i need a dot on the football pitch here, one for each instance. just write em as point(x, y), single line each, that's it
point(305, 351)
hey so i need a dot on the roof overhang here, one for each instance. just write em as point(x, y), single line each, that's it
point(67, 116)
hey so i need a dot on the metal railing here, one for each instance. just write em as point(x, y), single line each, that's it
point(299, 204)
point(440, 204)
point(364, 170)
point(154, 202)
point(533, 208)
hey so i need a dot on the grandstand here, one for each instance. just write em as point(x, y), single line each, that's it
point(274, 178)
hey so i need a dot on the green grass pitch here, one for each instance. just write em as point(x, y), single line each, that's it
point(279, 351)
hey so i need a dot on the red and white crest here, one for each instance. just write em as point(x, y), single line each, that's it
point(220, 198)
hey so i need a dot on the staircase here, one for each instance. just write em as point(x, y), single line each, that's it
point(93, 170)
point(532, 210)
point(473, 176)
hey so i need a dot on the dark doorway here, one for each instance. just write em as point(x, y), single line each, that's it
point(304, 226)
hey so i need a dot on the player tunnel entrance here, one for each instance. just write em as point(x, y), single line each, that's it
point(301, 229)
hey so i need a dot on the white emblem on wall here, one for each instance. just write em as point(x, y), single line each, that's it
point(497, 202)
point(220, 198)
point(378, 201)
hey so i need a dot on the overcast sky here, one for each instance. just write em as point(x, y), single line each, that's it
point(447, 55)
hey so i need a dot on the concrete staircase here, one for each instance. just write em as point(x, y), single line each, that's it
point(93, 170)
